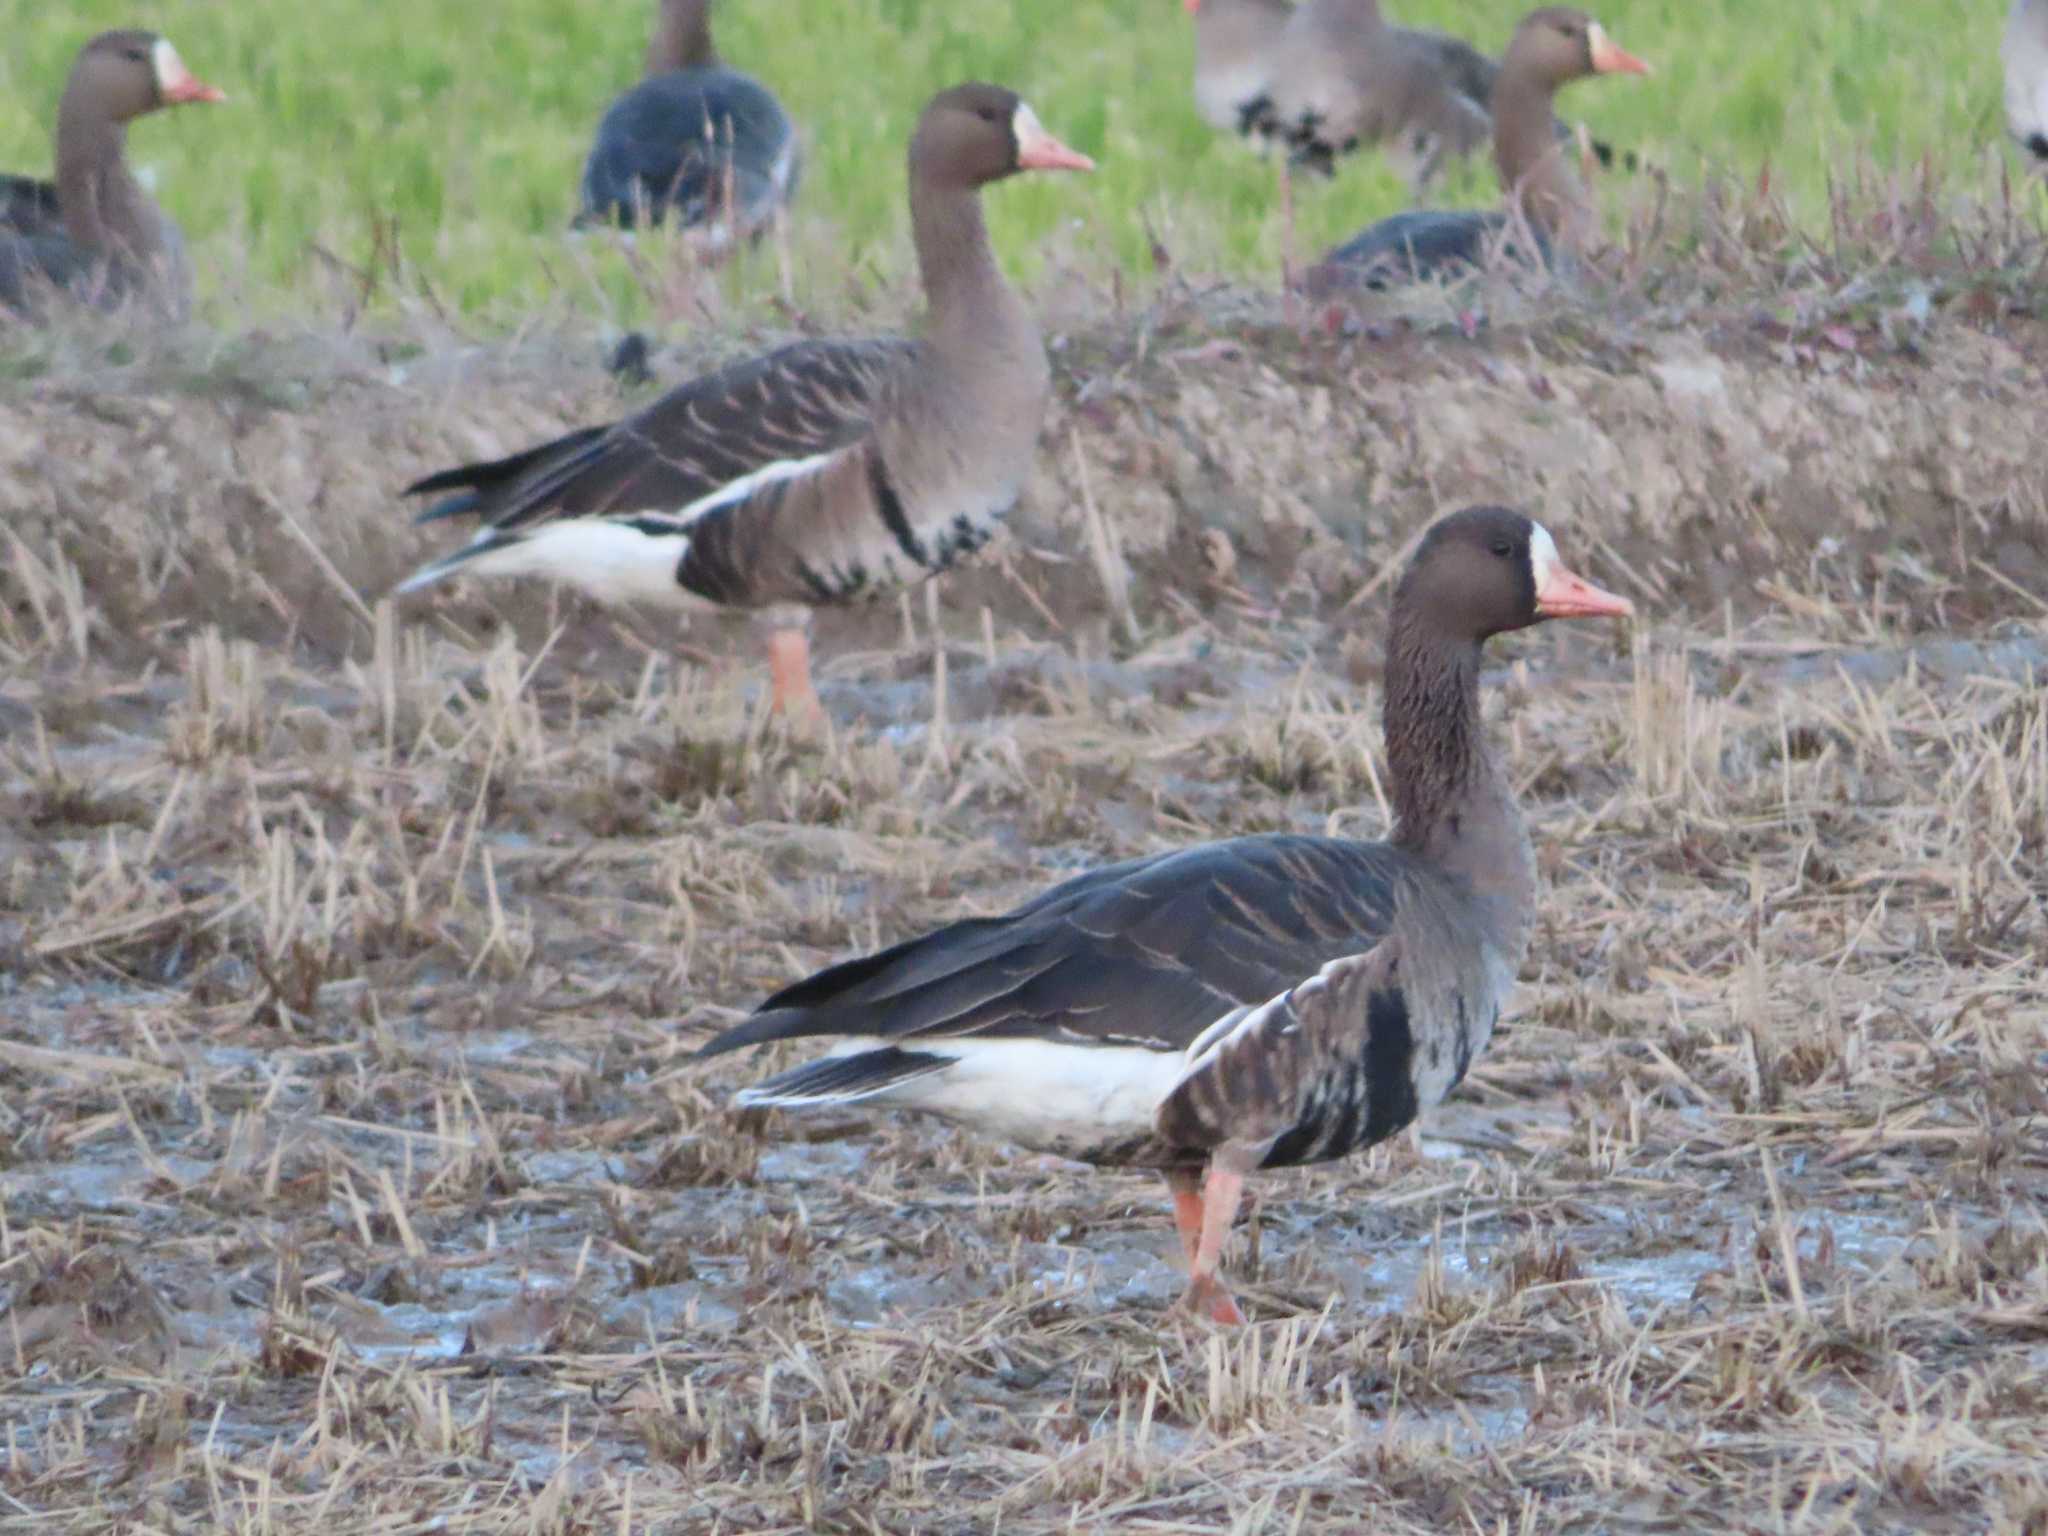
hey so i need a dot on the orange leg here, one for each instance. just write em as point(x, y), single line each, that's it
point(1220, 1195)
point(1185, 1185)
point(789, 671)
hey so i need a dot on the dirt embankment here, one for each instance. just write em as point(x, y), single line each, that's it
point(1699, 466)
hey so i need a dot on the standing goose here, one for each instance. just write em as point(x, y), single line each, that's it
point(693, 138)
point(817, 473)
point(1342, 79)
point(2025, 52)
point(1249, 1004)
point(94, 230)
point(1551, 48)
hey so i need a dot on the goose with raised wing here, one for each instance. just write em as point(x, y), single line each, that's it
point(694, 143)
point(821, 472)
point(1248, 1004)
point(94, 232)
point(1543, 196)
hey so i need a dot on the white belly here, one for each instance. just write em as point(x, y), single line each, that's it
point(1040, 1094)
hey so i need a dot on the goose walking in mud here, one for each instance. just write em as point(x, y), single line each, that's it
point(821, 472)
point(1255, 1003)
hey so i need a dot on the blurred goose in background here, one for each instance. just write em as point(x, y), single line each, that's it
point(2025, 52)
point(94, 230)
point(1256, 1003)
point(693, 141)
point(1234, 41)
point(1344, 78)
point(820, 472)
point(1341, 79)
point(1551, 48)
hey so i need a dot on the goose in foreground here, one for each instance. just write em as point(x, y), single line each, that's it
point(820, 472)
point(1248, 1004)
point(2025, 52)
point(94, 231)
point(1551, 48)
point(694, 139)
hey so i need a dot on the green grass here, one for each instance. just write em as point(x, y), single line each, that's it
point(468, 126)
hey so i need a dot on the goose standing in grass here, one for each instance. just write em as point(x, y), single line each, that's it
point(694, 140)
point(94, 231)
point(820, 472)
point(1551, 48)
point(2025, 52)
point(1249, 1004)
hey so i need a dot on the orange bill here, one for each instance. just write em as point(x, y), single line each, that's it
point(1038, 150)
point(1561, 595)
point(1609, 57)
point(177, 84)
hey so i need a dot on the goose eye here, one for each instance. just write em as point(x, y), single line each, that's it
point(988, 114)
point(1503, 548)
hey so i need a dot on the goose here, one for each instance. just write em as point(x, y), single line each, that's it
point(1348, 78)
point(1234, 41)
point(693, 138)
point(1551, 48)
point(1341, 79)
point(2025, 52)
point(94, 231)
point(819, 472)
point(1255, 1003)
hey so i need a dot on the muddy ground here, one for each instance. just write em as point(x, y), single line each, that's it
point(354, 1175)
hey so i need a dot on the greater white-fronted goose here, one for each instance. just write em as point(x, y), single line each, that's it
point(1342, 79)
point(694, 141)
point(1234, 42)
point(1551, 48)
point(94, 231)
point(822, 472)
point(1248, 1004)
point(2025, 52)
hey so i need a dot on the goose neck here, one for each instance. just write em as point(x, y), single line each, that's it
point(682, 38)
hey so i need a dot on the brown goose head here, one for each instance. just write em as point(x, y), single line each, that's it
point(1487, 570)
point(1556, 45)
point(974, 134)
point(682, 37)
point(121, 75)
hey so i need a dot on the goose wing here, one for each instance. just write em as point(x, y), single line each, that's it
point(1151, 953)
point(785, 406)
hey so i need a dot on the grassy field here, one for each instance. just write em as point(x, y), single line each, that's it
point(349, 118)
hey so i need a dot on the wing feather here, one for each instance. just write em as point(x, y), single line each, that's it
point(1152, 951)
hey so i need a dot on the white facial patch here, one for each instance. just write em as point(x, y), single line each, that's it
point(1029, 131)
point(1543, 561)
point(165, 64)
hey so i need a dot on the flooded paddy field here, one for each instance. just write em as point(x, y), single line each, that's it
point(355, 1175)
